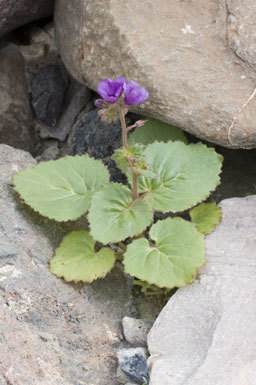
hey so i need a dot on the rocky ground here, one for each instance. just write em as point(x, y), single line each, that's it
point(55, 333)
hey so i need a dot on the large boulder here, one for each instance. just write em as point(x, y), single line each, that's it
point(205, 335)
point(15, 13)
point(197, 59)
point(51, 332)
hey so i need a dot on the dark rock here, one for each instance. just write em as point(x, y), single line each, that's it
point(93, 136)
point(133, 363)
point(16, 124)
point(77, 97)
point(47, 93)
point(15, 13)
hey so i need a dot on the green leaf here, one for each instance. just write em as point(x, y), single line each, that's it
point(76, 260)
point(156, 131)
point(206, 216)
point(62, 189)
point(114, 216)
point(173, 260)
point(186, 174)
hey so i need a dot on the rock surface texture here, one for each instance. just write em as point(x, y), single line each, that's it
point(51, 333)
point(136, 330)
point(133, 362)
point(197, 59)
point(15, 13)
point(206, 333)
point(16, 124)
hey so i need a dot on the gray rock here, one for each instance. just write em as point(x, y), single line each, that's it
point(51, 151)
point(16, 124)
point(197, 59)
point(51, 332)
point(16, 13)
point(47, 93)
point(136, 330)
point(121, 377)
point(41, 49)
point(133, 363)
point(206, 332)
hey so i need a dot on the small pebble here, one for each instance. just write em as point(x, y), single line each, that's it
point(133, 363)
point(136, 330)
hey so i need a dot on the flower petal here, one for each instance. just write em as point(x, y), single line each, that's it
point(134, 94)
point(111, 90)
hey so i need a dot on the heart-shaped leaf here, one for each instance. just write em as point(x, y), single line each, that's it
point(173, 260)
point(62, 189)
point(76, 260)
point(114, 216)
point(206, 216)
point(186, 174)
point(156, 131)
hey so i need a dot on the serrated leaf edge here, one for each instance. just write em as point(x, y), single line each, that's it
point(53, 161)
point(214, 228)
point(196, 269)
point(210, 192)
point(79, 280)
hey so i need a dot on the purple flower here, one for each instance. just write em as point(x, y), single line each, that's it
point(111, 90)
point(134, 94)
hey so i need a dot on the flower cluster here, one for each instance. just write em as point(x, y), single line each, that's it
point(112, 90)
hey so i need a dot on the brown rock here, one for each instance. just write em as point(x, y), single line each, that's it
point(16, 124)
point(14, 13)
point(196, 58)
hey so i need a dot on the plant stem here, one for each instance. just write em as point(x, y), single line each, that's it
point(124, 128)
point(121, 245)
point(135, 193)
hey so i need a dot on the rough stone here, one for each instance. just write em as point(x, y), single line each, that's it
point(133, 362)
point(98, 139)
point(51, 152)
point(47, 93)
point(206, 333)
point(91, 135)
point(16, 13)
point(51, 332)
point(16, 124)
point(41, 49)
point(121, 377)
point(197, 59)
point(77, 97)
point(136, 330)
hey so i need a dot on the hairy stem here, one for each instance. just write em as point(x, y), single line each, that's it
point(124, 128)
point(135, 194)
